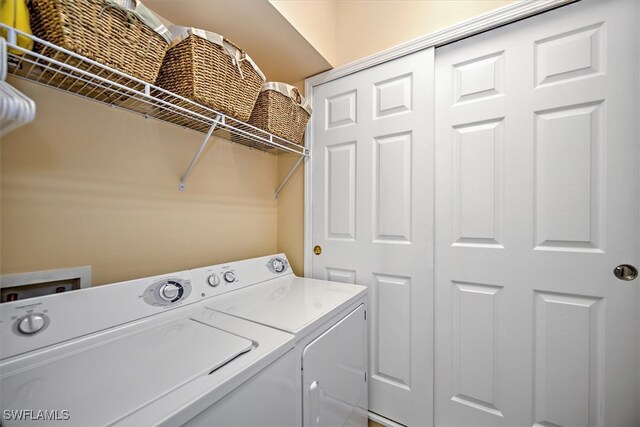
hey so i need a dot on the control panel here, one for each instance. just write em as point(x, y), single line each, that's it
point(219, 279)
point(37, 322)
point(42, 321)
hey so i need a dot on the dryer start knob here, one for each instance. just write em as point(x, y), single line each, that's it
point(31, 323)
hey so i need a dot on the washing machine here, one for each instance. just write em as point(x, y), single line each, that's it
point(143, 352)
point(328, 320)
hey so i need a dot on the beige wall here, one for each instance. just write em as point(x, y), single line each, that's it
point(291, 208)
point(85, 184)
point(315, 20)
point(291, 213)
point(366, 27)
point(346, 30)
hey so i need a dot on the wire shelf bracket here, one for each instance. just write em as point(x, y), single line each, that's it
point(53, 66)
point(205, 141)
point(286, 178)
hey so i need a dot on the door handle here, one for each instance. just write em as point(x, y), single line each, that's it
point(317, 249)
point(314, 404)
point(625, 272)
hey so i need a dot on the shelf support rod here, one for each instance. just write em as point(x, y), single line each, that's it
point(293, 169)
point(184, 176)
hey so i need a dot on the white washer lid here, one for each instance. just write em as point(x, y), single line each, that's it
point(291, 304)
point(105, 382)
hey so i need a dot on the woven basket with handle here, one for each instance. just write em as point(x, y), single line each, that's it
point(281, 110)
point(211, 70)
point(101, 31)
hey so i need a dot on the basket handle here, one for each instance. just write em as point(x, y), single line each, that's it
point(226, 40)
point(127, 7)
point(295, 96)
point(134, 11)
point(236, 61)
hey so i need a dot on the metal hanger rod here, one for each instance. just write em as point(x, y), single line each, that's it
point(184, 176)
point(293, 169)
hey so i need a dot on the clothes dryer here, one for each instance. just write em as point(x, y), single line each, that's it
point(328, 320)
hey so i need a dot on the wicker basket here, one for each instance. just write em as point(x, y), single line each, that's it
point(282, 111)
point(209, 69)
point(105, 31)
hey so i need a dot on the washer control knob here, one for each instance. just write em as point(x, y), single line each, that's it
point(31, 323)
point(213, 280)
point(229, 277)
point(169, 292)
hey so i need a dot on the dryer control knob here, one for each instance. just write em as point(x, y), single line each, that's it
point(169, 292)
point(213, 280)
point(229, 277)
point(31, 323)
point(278, 265)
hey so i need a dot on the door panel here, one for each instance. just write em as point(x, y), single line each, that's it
point(372, 210)
point(341, 191)
point(536, 203)
point(569, 220)
point(392, 328)
point(392, 188)
point(478, 174)
point(575, 350)
point(477, 346)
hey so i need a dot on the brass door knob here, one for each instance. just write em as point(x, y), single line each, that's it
point(317, 249)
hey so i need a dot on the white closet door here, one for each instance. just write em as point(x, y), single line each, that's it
point(372, 209)
point(536, 204)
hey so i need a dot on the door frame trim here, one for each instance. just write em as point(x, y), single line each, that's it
point(485, 22)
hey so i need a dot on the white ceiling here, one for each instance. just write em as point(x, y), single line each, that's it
point(280, 51)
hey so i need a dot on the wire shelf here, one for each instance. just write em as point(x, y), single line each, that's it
point(53, 66)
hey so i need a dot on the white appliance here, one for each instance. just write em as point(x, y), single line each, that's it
point(328, 320)
point(143, 352)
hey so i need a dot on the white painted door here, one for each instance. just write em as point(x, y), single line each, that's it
point(333, 375)
point(372, 184)
point(536, 203)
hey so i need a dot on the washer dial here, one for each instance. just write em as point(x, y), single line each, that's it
point(31, 323)
point(229, 277)
point(168, 291)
